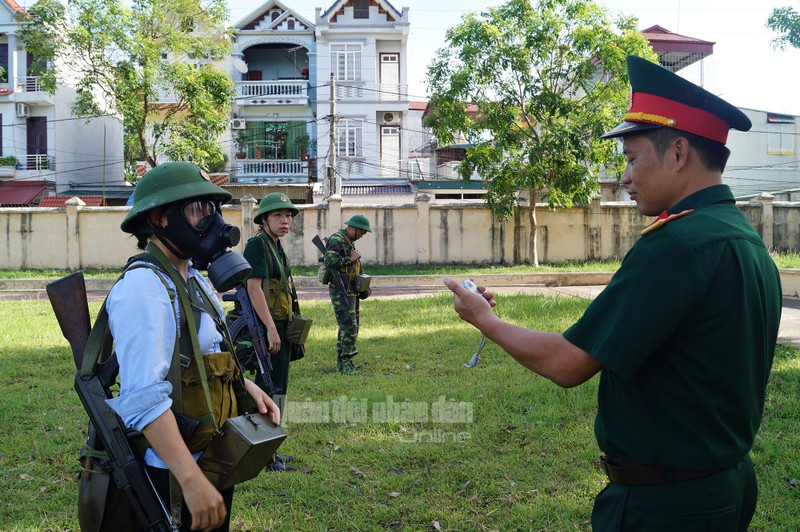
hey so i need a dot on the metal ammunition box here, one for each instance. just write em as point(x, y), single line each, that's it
point(246, 446)
point(362, 282)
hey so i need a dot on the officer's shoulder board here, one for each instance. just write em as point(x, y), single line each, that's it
point(663, 219)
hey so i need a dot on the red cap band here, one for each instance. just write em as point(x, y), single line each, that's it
point(653, 109)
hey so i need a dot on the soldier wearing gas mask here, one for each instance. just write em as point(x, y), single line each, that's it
point(171, 340)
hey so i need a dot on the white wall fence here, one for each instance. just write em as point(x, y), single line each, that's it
point(419, 232)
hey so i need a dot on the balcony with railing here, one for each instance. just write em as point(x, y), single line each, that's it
point(29, 91)
point(38, 162)
point(270, 171)
point(281, 92)
point(392, 92)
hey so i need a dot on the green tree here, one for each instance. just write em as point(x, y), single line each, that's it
point(135, 59)
point(544, 81)
point(785, 21)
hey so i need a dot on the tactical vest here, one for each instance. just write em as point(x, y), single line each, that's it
point(351, 270)
point(209, 387)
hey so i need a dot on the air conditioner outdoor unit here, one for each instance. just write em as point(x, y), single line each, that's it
point(238, 123)
point(391, 118)
point(23, 111)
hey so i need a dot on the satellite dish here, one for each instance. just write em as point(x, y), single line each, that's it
point(240, 65)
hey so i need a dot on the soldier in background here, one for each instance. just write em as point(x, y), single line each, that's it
point(342, 255)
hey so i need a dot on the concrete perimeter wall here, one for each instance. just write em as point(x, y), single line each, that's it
point(420, 232)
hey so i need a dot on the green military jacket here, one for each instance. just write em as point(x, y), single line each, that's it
point(337, 256)
point(686, 332)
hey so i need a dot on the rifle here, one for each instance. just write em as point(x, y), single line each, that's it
point(337, 275)
point(258, 335)
point(70, 305)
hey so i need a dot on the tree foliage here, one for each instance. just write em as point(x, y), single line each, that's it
point(135, 59)
point(785, 21)
point(531, 87)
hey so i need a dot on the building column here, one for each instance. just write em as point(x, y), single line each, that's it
point(593, 235)
point(248, 213)
point(423, 236)
point(73, 207)
point(14, 77)
point(334, 214)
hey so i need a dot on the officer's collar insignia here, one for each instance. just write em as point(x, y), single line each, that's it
point(663, 218)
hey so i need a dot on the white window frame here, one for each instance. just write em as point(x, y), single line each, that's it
point(346, 61)
point(349, 138)
point(780, 140)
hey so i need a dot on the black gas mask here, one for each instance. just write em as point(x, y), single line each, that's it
point(195, 230)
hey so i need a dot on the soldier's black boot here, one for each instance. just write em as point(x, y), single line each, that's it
point(278, 465)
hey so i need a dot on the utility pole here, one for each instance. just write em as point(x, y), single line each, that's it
point(333, 182)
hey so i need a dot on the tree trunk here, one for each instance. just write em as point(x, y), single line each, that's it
point(533, 247)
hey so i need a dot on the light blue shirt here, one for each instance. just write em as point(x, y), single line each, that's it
point(142, 320)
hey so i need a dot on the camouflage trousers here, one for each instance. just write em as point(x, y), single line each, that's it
point(347, 318)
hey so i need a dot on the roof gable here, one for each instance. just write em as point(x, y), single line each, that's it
point(273, 16)
point(15, 8)
point(384, 8)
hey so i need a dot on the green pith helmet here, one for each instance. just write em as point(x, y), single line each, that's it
point(274, 202)
point(167, 183)
point(360, 221)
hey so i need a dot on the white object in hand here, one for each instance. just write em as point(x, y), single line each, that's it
point(469, 285)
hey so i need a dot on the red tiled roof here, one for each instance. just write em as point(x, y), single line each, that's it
point(417, 106)
point(663, 40)
point(20, 193)
point(220, 179)
point(19, 10)
point(59, 201)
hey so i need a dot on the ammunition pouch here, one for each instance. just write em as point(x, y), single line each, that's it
point(324, 274)
point(101, 504)
point(222, 373)
point(279, 299)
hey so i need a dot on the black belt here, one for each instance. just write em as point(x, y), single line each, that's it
point(628, 472)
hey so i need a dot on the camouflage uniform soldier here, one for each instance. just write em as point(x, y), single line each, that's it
point(341, 255)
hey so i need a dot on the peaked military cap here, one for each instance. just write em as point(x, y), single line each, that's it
point(661, 98)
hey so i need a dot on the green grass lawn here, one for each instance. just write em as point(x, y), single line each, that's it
point(415, 442)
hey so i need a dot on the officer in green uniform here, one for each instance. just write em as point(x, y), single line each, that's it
point(272, 292)
point(342, 255)
point(684, 334)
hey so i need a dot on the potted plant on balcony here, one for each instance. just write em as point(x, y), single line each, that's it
point(240, 141)
point(8, 166)
point(302, 142)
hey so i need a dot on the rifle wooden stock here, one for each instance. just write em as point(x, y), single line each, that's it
point(70, 305)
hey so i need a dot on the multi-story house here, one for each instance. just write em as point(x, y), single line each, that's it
point(273, 123)
point(44, 149)
point(361, 51)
